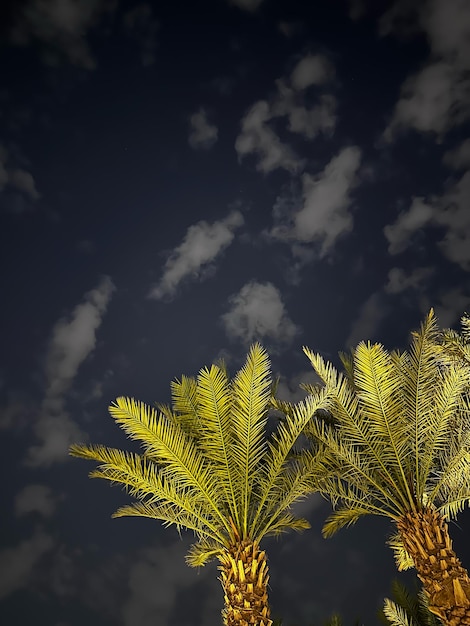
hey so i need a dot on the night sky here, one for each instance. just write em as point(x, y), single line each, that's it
point(177, 180)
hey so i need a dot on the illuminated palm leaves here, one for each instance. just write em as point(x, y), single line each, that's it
point(208, 464)
point(398, 437)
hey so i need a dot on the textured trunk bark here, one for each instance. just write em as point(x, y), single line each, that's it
point(244, 578)
point(425, 536)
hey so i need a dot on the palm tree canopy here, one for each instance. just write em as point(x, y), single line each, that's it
point(397, 437)
point(208, 464)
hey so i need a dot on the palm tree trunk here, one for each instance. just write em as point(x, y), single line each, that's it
point(425, 536)
point(244, 578)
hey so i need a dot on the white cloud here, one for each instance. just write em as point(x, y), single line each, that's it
point(258, 136)
point(447, 24)
point(307, 122)
point(16, 178)
point(62, 26)
point(17, 563)
point(448, 212)
point(35, 498)
point(408, 222)
point(73, 340)
point(256, 312)
point(311, 70)
point(324, 216)
point(459, 157)
point(247, 5)
point(202, 133)
point(201, 245)
point(438, 97)
point(434, 100)
point(367, 322)
point(399, 280)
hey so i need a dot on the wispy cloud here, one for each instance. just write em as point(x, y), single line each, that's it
point(324, 216)
point(16, 180)
point(257, 136)
point(257, 312)
point(73, 339)
point(61, 27)
point(202, 135)
point(459, 157)
point(436, 98)
point(18, 563)
point(448, 212)
point(202, 244)
point(35, 499)
point(399, 280)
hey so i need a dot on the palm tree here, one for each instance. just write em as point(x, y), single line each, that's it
point(209, 466)
point(407, 608)
point(395, 428)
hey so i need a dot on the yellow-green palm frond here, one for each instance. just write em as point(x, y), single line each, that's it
point(444, 454)
point(415, 606)
point(402, 558)
point(167, 444)
point(279, 481)
point(251, 389)
point(354, 462)
point(378, 389)
point(457, 345)
point(419, 379)
point(185, 407)
point(154, 486)
point(171, 515)
point(202, 552)
point(396, 615)
point(286, 522)
point(214, 401)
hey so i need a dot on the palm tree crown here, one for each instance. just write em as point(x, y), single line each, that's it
point(395, 433)
point(209, 466)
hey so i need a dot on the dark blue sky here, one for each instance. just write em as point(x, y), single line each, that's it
point(178, 180)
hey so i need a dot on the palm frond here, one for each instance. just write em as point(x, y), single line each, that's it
point(418, 383)
point(251, 395)
point(284, 523)
point(144, 480)
point(402, 558)
point(374, 466)
point(343, 517)
point(214, 400)
point(202, 552)
point(396, 615)
point(166, 443)
point(185, 407)
point(379, 393)
point(405, 599)
point(273, 480)
point(170, 515)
